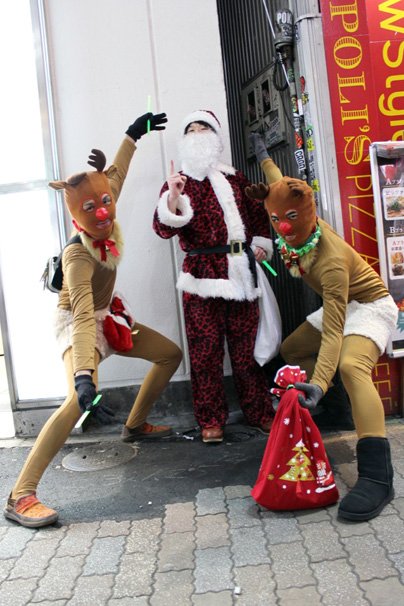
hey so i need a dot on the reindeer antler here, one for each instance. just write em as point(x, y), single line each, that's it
point(97, 159)
point(257, 192)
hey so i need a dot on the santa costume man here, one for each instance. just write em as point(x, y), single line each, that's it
point(223, 234)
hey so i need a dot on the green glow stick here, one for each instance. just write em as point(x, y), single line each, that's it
point(85, 414)
point(148, 110)
point(271, 269)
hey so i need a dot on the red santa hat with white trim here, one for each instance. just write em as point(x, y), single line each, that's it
point(202, 115)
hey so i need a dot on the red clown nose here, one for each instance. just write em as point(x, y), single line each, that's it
point(285, 228)
point(101, 214)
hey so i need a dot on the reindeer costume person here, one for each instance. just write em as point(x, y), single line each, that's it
point(350, 331)
point(89, 273)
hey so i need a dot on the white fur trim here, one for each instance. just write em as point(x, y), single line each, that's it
point(224, 168)
point(171, 219)
point(64, 331)
point(225, 196)
point(375, 320)
point(200, 116)
point(265, 243)
point(111, 261)
point(238, 287)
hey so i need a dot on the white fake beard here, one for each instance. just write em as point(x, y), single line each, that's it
point(198, 152)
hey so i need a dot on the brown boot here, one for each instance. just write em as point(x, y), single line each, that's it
point(212, 434)
point(29, 511)
point(146, 431)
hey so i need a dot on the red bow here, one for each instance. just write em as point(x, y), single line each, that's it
point(105, 245)
point(286, 377)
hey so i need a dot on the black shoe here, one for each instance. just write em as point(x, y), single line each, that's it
point(374, 488)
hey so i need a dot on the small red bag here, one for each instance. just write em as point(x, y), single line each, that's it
point(295, 472)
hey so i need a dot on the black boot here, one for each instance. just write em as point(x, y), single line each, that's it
point(374, 488)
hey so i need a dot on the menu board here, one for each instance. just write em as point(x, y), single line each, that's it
point(387, 166)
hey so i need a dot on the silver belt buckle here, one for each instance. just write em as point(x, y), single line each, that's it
point(236, 248)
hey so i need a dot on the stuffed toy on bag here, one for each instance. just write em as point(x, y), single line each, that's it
point(118, 324)
point(295, 472)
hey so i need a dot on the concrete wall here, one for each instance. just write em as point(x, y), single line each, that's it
point(106, 57)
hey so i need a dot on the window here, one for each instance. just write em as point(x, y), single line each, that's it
point(31, 215)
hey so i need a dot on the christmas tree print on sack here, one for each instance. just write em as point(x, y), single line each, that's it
point(295, 472)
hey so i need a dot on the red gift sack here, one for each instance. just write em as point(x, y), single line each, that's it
point(295, 472)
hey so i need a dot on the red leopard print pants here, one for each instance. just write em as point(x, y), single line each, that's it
point(208, 322)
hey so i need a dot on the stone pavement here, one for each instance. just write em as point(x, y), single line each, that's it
point(216, 549)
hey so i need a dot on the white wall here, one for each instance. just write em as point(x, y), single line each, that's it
point(106, 57)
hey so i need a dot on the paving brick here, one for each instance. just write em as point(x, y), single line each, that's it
point(237, 492)
point(179, 517)
point(35, 559)
point(249, 546)
point(14, 541)
point(308, 516)
point(368, 558)
point(210, 500)
point(283, 530)
point(387, 592)
point(78, 539)
point(243, 512)
point(144, 536)
point(92, 590)
point(399, 486)
point(349, 529)
point(140, 601)
point(299, 597)
point(112, 528)
point(18, 592)
point(266, 514)
point(5, 567)
point(59, 579)
point(50, 532)
point(213, 570)
point(223, 598)
point(322, 542)
point(398, 561)
point(290, 565)
point(176, 552)
point(398, 505)
point(338, 585)
point(104, 556)
point(55, 603)
point(389, 530)
point(212, 531)
point(135, 577)
point(174, 587)
point(256, 584)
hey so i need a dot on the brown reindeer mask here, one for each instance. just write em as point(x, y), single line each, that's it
point(89, 198)
point(291, 208)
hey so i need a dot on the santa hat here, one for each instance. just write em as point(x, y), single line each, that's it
point(202, 115)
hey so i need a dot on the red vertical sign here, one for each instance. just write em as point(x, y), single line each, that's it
point(364, 45)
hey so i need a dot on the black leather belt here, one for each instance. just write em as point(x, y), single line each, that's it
point(235, 248)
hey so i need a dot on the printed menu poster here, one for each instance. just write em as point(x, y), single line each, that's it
point(387, 165)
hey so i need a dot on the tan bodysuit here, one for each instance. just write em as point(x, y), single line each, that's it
point(87, 289)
